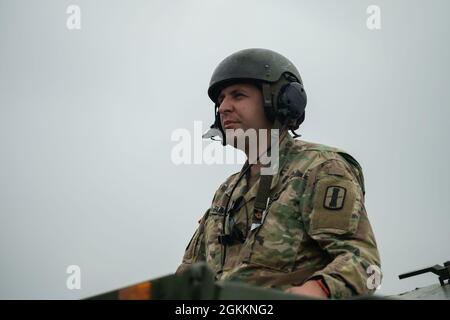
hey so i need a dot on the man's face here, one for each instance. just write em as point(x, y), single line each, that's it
point(241, 106)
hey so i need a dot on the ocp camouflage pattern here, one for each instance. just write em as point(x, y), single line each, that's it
point(316, 225)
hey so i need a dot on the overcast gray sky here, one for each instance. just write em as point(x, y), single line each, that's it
point(86, 118)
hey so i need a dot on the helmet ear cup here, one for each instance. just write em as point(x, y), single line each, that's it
point(291, 103)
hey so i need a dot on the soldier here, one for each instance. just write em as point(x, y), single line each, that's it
point(304, 228)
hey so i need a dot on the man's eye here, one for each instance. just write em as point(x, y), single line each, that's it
point(234, 95)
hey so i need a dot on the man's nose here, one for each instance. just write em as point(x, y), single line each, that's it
point(225, 106)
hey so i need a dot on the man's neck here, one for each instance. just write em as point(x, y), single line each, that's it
point(255, 167)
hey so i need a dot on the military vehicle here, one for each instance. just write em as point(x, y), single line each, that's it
point(198, 284)
point(439, 291)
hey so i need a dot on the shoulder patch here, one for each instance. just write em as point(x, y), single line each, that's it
point(333, 205)
point(334, 197)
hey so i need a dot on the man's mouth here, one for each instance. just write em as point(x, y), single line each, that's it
point(229, 124)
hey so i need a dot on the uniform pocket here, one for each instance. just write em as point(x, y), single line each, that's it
point(194, 250)
point(213, 249)
point(276, 243)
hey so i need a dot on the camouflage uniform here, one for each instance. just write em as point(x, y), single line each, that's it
point(316, 225)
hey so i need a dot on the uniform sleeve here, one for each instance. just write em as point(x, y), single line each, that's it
point(336, 219)
point(195, 250)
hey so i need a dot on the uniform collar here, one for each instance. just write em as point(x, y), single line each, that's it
point(241, 189)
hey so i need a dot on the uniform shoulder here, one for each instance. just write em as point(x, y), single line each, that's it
point(319, 155)
point(319, 152)
point(303, 145)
